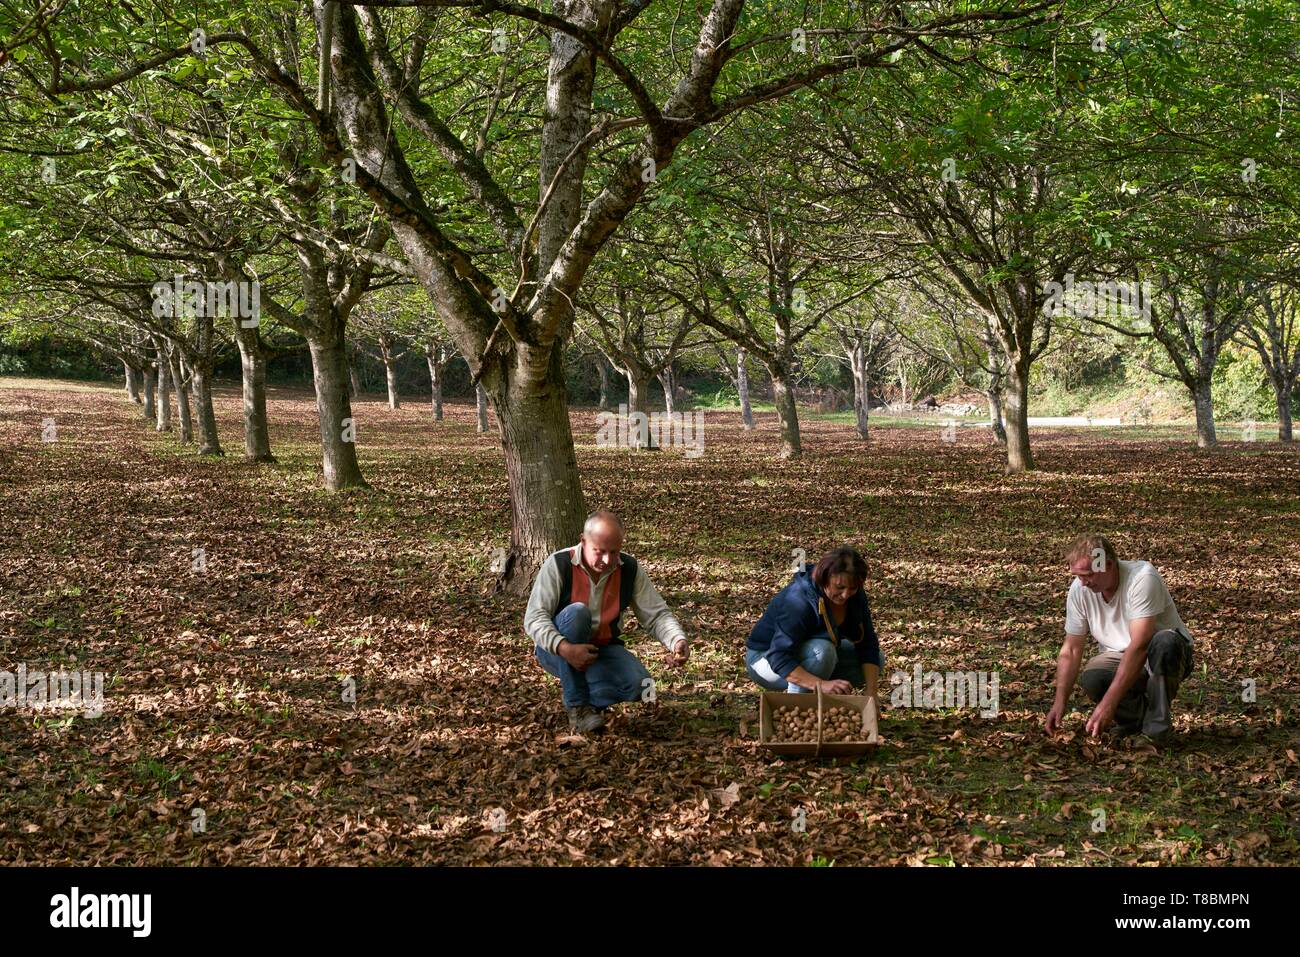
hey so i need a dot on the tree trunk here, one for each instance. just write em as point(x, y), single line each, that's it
point(435, 383)
point(252, 363)
point(669, 383)
point(1020, 457)
point(182, 396)
point(787, 413)
point(638, 386)
point(603, 366)
point(334, 406)
point(209, 441)
point(390, 376)
point(163, 421)
point(132, 383)
point(1283, 393)
point(1202, 396)
point(638, 391)
point(354, 381)
point(148, 411)
point(995, 410)
point(861, 387)
point(742, 389)
point(994, 394)
point(481, 398)
point(545, 488)
point(993, 391)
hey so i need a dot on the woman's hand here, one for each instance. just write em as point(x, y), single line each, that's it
point(838, 686)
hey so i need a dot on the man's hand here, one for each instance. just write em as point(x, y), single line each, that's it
point(1067, 670)
point(838, 686)
point(1054, 719)
point(680, 653)
point(1102, 716)
point(579, 656)
point(1127, 674)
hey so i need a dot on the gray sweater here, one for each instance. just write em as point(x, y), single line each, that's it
point(651, 610)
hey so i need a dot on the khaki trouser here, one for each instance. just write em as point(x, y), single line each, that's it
point(1146, 706)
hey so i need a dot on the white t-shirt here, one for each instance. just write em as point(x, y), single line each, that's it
point(1141, 594)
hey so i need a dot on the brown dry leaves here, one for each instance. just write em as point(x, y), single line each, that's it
point(225, 692)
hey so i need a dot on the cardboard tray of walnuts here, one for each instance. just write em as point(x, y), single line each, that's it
point(818, 714)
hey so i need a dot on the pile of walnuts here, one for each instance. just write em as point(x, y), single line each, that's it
point(799, 725)
point(795, 724)
point(842, 724)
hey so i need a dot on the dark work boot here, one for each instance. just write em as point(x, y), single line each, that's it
point(1140, 742)
point(584, 719)
point(1118, 732)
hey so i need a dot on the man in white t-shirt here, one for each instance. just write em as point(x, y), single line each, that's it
point(1146, 650)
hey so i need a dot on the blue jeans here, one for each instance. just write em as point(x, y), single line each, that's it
point(817, 656)
point(614, 676)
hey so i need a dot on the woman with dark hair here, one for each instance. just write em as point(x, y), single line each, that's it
point(817, 631)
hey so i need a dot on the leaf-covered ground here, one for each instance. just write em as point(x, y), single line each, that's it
point(225, 686)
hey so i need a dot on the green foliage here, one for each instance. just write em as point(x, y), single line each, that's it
point(47, 356)
point(1241, 387)
point(724, 398)
point(1145, 135)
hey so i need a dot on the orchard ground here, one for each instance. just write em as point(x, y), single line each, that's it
point(224, 690)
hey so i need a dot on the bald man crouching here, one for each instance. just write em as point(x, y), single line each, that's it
point(574, 615)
